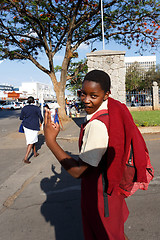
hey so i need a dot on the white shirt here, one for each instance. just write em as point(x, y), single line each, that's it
point(95, 140)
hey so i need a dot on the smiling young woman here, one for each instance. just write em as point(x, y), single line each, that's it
point(104, 144)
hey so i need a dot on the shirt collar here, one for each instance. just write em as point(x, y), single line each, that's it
point(104, 105)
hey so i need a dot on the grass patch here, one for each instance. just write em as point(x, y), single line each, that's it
point(146, 118)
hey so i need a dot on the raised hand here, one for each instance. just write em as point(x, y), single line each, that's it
point(51, 129)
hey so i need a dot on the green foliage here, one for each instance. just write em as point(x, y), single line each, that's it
point(152, 75)
point(76, 73)
point(138, 79)
point(146, 118)
point(134, 77)
point(30, 27)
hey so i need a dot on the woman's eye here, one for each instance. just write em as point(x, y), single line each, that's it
point(93, 96)
point(82, 94)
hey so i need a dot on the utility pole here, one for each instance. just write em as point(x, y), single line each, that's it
point(102, 24)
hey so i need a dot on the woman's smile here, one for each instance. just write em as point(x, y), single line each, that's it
point(92, 96)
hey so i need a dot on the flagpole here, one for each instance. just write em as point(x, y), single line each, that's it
point(102, 24)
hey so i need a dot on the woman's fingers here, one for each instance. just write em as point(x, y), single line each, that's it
point(47, 118)
point(57, 125)
point(51, 127)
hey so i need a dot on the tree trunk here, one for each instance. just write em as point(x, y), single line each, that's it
point(60, 95)
point(59, 86)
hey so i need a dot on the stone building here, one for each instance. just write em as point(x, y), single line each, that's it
point(112, 62)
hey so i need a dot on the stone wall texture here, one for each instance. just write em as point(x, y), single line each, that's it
point(112, 62)
point(155, 90)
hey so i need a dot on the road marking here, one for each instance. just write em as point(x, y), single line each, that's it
point(153, 139)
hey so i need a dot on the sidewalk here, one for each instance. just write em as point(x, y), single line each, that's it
point(41, 200)
point(16, 183)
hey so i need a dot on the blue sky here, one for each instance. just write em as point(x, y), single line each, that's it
point(16, 72)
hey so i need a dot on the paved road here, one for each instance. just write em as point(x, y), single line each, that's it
point(43, 201)
point(9, 151)
point(9, 121)
point(144, 219)
point(13, 145)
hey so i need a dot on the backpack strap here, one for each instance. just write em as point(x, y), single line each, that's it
point(100, 116)
point(99, 113)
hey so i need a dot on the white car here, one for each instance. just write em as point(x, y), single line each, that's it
point(10, 105)
point(22, 104)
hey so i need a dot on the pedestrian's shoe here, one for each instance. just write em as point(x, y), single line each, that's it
point(26, 161)
point(37, 154)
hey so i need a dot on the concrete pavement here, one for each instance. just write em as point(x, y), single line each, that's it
point(40, 198)
point(41, 201)
point(22, 177)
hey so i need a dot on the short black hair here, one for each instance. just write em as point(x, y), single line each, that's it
point(46, 105)
point(30, 100)
point(100, 77)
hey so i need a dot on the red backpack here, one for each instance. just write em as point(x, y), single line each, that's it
point(128, 185)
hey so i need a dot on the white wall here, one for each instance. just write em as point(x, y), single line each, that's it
point(36, 89)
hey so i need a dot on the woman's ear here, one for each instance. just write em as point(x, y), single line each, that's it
point(106, 95)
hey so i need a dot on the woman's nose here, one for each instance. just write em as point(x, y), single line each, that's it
point(86, 99)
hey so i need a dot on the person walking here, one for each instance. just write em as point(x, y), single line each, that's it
point(104, 144)
point(31, 119)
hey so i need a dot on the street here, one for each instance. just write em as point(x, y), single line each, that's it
point(47, 200)
point(144, 206)
point(9, 151)
point(13, 145)
point(9, 121)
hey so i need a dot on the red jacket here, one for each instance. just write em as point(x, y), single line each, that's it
point(123, 131)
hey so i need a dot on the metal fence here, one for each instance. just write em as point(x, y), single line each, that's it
point(137, 99)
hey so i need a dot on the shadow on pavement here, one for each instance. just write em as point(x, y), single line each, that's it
point(10, 113)
point(41, 140)
point(62, 206)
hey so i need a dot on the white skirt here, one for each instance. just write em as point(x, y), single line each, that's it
point(31, 136)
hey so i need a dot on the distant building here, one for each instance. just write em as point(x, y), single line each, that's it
point(37, 90)
point(8, 92)
point(145, 62)
point(5, 87)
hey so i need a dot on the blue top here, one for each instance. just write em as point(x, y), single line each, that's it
point(31, 115)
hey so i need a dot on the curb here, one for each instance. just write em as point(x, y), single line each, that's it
point(16, 183)
point(155, 129)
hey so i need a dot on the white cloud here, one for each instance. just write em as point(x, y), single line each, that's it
point(83, 47)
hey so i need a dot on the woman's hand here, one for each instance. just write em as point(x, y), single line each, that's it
point(51, 129)
point(73, 167)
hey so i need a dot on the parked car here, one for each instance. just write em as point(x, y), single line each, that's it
point(22, 104)
point(10, 105)
point(36, 102)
